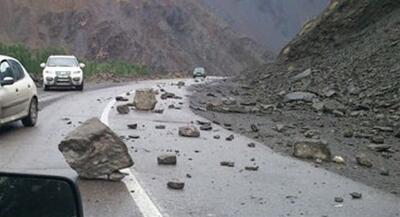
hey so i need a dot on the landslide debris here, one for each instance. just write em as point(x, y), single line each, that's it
point(95, 152)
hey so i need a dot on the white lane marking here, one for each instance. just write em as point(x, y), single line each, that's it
point(142, 200)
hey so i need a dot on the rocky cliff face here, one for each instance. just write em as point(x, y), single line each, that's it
point(272, 23)
point(168, 35)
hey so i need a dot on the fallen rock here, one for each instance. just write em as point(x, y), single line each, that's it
point(132, 126)
point(251, 168)
point(363, 160)
point(167, 95)
point(230, 138)
point(95, 152)
point(203, 122)
point(254, 128)
point(379, 147)
point(383, 129)
point(175, 185)
point(161, 127)
point(181, 84)
point(159, 111)
point(206, 127)
point(121, 99)
point(166, 159)
point(356, 195)
point(378, 139)
point(227, 164)
point(338, 160)
point(339, 200)
point(300, 96)
point(217, 137)
point(312, 149)
point(145, 99)
point(251, 145)
point(301, 76)
point(189, 131)
point(123, 109)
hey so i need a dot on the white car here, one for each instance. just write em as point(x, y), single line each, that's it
point(18, 93)
point(63, 71)
point(199, 72)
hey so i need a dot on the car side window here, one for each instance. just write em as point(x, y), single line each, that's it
point(17, 69)
point(6, 70)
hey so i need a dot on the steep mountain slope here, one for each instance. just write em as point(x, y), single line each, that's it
point(168, 35)
point(272, 23)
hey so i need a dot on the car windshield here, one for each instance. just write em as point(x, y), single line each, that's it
point(62, 62)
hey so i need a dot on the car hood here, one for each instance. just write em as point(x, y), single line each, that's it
point(62, 69)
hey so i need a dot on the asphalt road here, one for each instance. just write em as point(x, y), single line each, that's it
point(281, 187)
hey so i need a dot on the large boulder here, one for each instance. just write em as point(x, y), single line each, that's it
point(145, 99)
point(312, 149)
point(95, 152)
point(189, 131)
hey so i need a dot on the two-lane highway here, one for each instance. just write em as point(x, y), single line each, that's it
point(282, 186)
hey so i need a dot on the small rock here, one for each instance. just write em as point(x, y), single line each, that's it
point(160, 127)
point(132, 126)
point(384, 172)
point(176, 185)
point(379, 147)
point(217, 137)
point(251, 168)
point(251, 145)
point(378, 139)
point(383, 129)
point(188, 176)
point(189, 131)
point(166, 159)
point(254, 128)
point(159, 111)
point(123, 109)
point(301, 76)
point(280, 128)
point(134, 137)
point(206, 127)
point(121, 99)
point(348, 134)
point(363, 160)
point(339, 200)
point(230, 138)
point(300, 96)
point(338, 160)
point(227, 163)
point(203, 122)
point(356, 195)
point(312, 149)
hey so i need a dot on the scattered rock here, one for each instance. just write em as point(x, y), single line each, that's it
point(132, 126)
point(145, 99)
point(378, 139)
point(161, 127)
point(339, 200)
point(251, 145)
point(356, 195)
point(206, 127)
point(203, 122)
point(363, 160)
point(217, 137)
point(230, 138)
point(348, 133)
point(301, 76)
point(94, 151)
point(134, 137)
point(166, 159)
point(189, 131)
point(181, 84)
point(175, 185)
point(159, 111)
point(167, 95)
point(300, 96)
point(121, 99)
point(338, 160)
point(379, 147)
point(251, 168)
point(383, 129)
point(254, 128)
point(312, 149)
point(123, 109)
point(227, 164)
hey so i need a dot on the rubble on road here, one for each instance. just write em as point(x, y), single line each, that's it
point(166, 159)
point(121, 99)
point(132, 126)
point(312, 149)
point(230, 138)
point(363, 160)
point(227, 163)
point(160, 127)
point(252, 168)
point(175, 185)
point(145, 99)
point(189, 131)
point(94, 151)
point(123, 109)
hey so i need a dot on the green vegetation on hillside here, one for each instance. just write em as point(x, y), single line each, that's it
point(31, 59)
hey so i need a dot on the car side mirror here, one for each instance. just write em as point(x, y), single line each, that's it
point(43, 65)
point(7, 81)
point(35, 195)
point(82, 65)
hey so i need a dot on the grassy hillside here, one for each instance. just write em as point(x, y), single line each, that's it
point(32, 59)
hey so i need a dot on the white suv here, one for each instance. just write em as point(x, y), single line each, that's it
point(199, 72)
point(18, 94)
point(63, 71)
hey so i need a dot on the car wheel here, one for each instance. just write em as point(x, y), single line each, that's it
point(31, 119)
point(80, 87)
